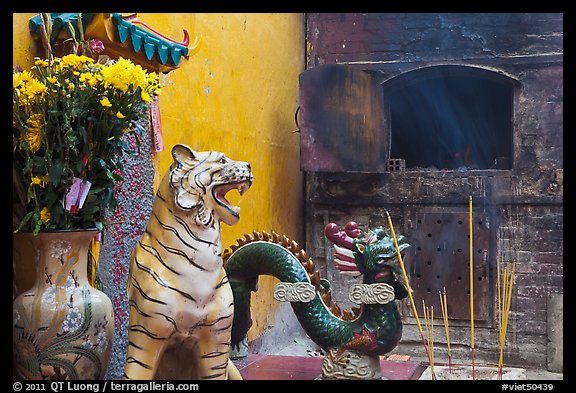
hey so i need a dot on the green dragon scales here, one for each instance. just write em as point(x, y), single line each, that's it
point(374, 328)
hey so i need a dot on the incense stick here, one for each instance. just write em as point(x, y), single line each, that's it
point(401, 263)
point(444, 309)
point(502, 315)
point(504, 308)
point(429, 324)
point(432, 339)
point(499, 298)
point(471, 288)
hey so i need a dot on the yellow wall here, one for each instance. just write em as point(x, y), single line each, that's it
point(237, 94)
point(22, 43)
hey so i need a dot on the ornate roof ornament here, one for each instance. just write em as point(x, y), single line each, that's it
point(122, 36)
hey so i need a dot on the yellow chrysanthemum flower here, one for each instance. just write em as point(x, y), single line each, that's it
point(40, 180)
point(145, 96)
point(27, 76)
point(45, 215)
point(120, 115)
point(22, 99)
point(20, 78)
point(123, 74)
point(105, 102)
point(75, 62)
point(16, 80)
point(33, 136)
point(35, 121)
point(41, 63)
point(34, 89)
point(88, 78)
point(153, 77)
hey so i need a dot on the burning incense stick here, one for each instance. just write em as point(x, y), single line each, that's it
point(444, 309)
point(498, 294)
point(471, 288)
point(428, 313)
point(401, 263)
point(504, 307)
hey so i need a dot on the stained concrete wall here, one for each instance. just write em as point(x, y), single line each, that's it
point(524, 205)
point(555, 354)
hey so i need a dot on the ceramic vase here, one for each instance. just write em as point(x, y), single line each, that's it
point(62, 327)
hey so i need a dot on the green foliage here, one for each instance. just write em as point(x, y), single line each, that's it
point(71, 119)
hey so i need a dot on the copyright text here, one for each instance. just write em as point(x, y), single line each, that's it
point(103, 386)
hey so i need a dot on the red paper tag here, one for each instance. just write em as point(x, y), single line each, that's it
point(156, 125)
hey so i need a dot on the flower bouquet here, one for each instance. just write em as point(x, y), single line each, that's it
point(72, 118)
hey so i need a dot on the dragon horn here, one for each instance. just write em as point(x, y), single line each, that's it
point(336, 236)
point(352, 230)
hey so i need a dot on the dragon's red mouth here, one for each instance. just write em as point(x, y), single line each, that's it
point(383, 274)
point(345, 261)
point(344, 246)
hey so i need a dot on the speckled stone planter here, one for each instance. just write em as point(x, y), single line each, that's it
point(62, 326)
point(480, 373)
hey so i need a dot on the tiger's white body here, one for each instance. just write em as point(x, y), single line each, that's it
point(178, 291)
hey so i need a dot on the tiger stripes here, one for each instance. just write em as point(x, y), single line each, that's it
point(177, 288)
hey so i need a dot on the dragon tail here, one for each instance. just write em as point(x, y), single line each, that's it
point(263, 253)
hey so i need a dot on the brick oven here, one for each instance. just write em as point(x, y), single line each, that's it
point(412, 114)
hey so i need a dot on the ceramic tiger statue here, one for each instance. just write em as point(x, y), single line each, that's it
point(178, 291)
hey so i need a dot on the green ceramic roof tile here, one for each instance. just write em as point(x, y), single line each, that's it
point(149, 48)
point(136, 39)
point(123, 33)
point(140, 37)
point(59, 22)
point(151, 42)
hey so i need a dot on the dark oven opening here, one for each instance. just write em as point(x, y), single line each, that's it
point(450, 118)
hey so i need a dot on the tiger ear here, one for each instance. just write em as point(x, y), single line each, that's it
point(183, 153)
point(183, 157)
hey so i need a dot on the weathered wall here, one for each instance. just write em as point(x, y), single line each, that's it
point(237, 94)
point(522, 207)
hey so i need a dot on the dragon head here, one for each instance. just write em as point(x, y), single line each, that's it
point(371, 254)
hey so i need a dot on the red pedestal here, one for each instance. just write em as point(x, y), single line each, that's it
point(268, 367)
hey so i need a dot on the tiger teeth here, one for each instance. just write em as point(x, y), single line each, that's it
point(242, 188)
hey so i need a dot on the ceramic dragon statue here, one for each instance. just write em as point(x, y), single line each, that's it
point(352, 340)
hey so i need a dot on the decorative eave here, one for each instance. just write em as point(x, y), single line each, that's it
point(122, 36)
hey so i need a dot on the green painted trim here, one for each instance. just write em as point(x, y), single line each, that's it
point(139, 36)
point(59, 22)
point(151, 42)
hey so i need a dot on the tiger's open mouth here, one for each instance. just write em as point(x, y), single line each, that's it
point(219, 194)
